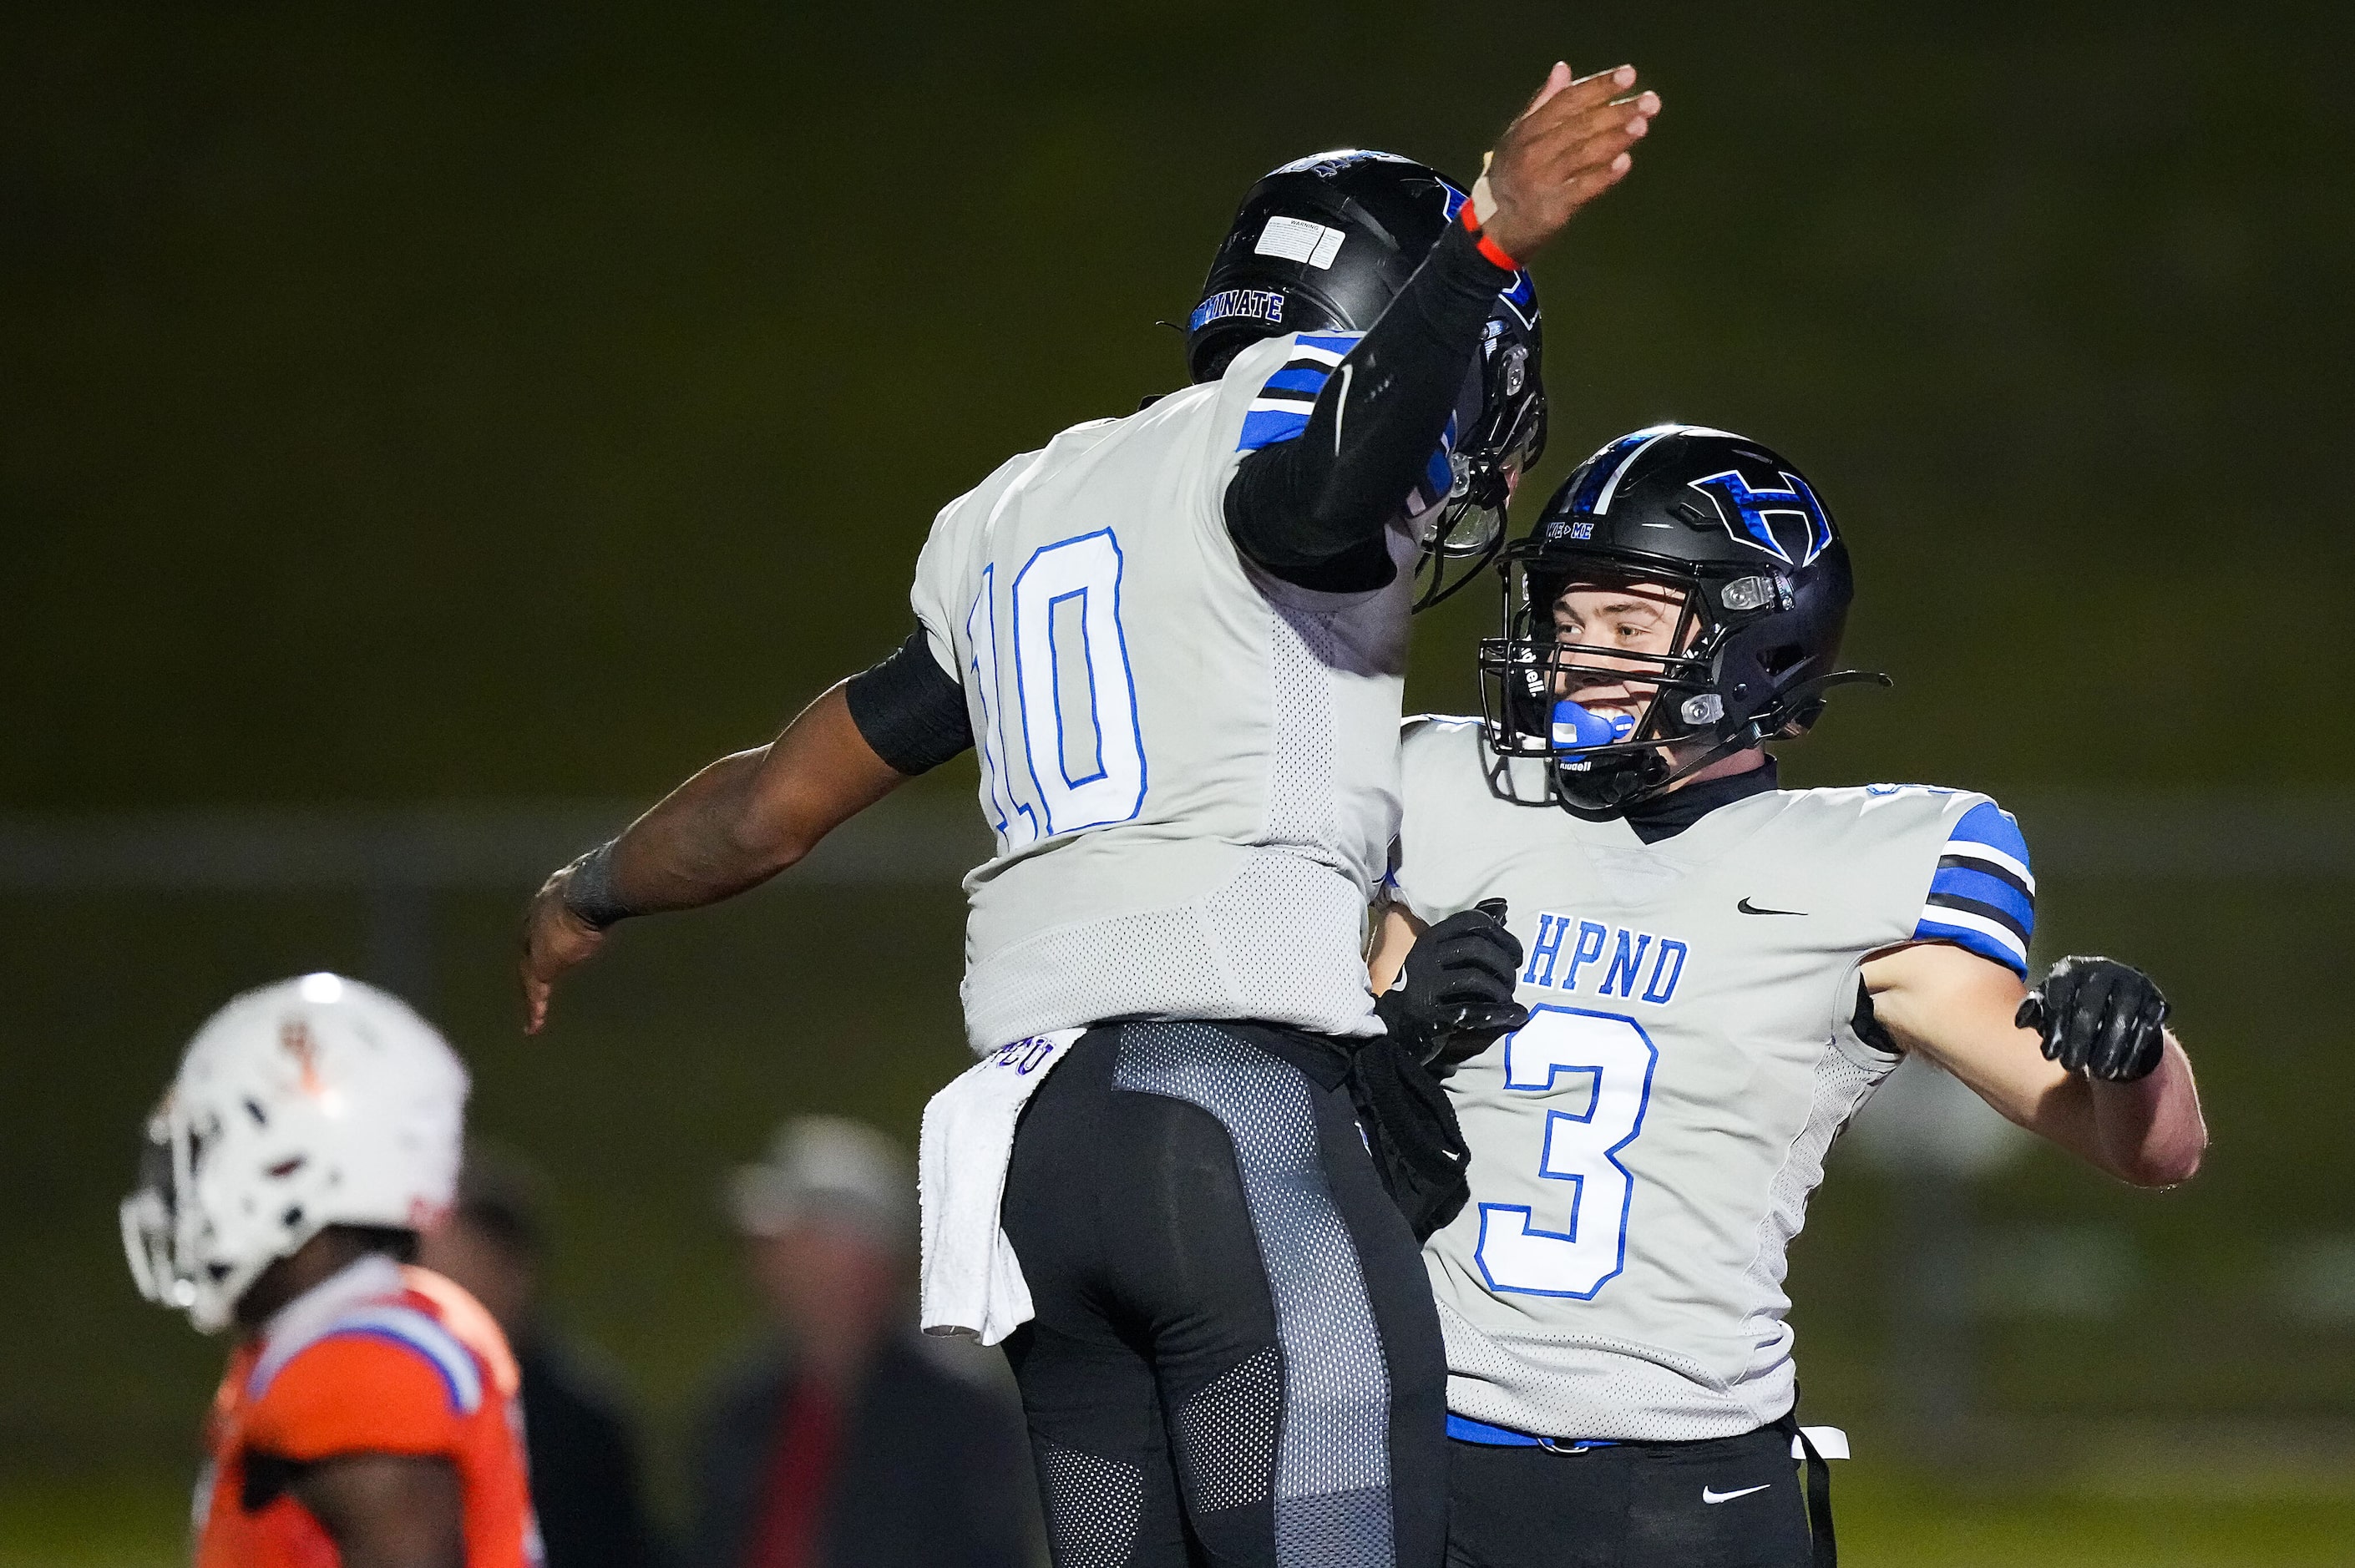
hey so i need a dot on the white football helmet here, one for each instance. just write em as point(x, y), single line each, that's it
point(314, 1102)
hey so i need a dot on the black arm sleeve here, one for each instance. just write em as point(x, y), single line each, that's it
point(1312, 509)
point(909, 709)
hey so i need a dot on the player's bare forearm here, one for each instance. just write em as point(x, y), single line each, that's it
point(748, 816)
point(1395, 931)
point(388, 1510)
point(2151, 1130)
point(732, 826)
point(1958, 1010)
point(2149, 1133)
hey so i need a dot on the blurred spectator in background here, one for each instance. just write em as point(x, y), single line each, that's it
point(849, 1440)
point(583, 1455)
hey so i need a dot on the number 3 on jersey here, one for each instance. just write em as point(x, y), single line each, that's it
point(1075, 699)
point(1517, 1252)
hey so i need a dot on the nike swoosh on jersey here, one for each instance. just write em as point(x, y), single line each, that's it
point(1749, 908)
point(1708, 1496)
point(1341, 406)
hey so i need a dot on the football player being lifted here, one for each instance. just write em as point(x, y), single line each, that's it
point(1716, 973)
point(1178, 639)
point(369, 1414)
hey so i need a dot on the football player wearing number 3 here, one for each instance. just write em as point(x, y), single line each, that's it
point(1717, 973)
point(1178, 639)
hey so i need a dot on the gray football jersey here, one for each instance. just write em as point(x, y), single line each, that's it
point(1642, 1150)
point(1191, 766)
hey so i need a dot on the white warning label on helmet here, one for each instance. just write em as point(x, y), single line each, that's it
point(1297, 240)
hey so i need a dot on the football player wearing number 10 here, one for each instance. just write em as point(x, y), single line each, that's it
point(1717, 973)
point(1178, 639)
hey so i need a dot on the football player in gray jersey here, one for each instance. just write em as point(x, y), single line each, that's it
point(1717, 973)
point(1177, 640)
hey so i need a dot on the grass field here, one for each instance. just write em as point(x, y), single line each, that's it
point(2172, 1520)
point(1911, 1527)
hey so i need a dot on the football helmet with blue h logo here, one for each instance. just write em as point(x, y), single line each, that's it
point(1763, 583)
point(1324, 244)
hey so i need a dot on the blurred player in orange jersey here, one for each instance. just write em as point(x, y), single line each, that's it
point(368, 1418)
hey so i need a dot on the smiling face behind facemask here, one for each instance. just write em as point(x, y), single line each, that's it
point(1631, 619)
point(1604, 632)
point(1613, 634)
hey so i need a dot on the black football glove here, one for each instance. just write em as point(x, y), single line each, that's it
point(1455, 996)
point(2098, 1017)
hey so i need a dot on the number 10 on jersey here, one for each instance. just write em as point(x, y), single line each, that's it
point(1076, 733)
point(1573, 1247)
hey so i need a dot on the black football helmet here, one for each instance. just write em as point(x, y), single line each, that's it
point(1766, 584)
point(1324, 244)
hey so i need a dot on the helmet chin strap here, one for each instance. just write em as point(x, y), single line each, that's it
point(1620, 779)
point(1611, 784)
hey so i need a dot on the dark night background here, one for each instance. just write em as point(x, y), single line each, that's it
point(497, 404)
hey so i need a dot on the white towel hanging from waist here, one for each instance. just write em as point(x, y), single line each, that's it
point(973, 1284)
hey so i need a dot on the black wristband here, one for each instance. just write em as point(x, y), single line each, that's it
point(589, 896)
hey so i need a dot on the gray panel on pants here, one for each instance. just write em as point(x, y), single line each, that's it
point(1332, 1473)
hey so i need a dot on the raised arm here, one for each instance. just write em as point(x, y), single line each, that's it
point(1312, 510)
point(2097, 1074)
point(748, 816)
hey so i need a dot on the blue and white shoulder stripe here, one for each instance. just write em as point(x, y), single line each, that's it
point(461, 1377)
point(1983, 894)
point(1280, 410)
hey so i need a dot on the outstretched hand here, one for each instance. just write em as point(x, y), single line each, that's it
point(1568, 146)
point(555, 939)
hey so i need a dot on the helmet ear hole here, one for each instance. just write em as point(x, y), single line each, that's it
point(1774, 661)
